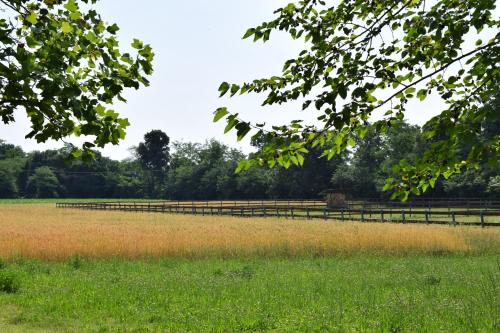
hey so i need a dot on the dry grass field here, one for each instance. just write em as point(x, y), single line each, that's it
point(44, 232)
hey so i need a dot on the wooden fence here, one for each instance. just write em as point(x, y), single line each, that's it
point(469, 204)
point(303, 210)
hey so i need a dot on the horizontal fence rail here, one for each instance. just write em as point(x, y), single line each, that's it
point(305, 210)
point(483, 205)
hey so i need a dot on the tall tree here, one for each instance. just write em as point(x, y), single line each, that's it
point(363, 57)
point(154, 156)
point(204, 172)
point(62, 65)
point(8, 185)
point(359, 175)
point(306, 182)
point(9, 151)
point(43, 184)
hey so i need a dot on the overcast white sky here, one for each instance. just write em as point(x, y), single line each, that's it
point(198, 45)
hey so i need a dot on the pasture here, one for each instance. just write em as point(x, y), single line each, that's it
point(470, 213)
point(106, 271)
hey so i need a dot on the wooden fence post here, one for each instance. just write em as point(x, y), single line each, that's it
point(482, 219)
point(382, 215)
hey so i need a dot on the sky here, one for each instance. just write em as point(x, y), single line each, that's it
point(198, 45)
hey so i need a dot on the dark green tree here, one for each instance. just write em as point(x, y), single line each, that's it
point(8, 185)
point(306, 182)
point(469, 184)
point(12, 159)
point(154, 157)
point(254, 183)
point(359, 175)
point(203, 171)
point(61, 64)
point(363, 57)
point(43, 184)
point(10, 151)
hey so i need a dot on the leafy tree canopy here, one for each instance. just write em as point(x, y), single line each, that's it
point(8, 150)
point(63, 66)
point(43, 183)
point(154, 157)
point(154, 152)
point(364, 57)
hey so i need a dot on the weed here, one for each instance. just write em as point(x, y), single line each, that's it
point(76, 262)
point(9, 282)
point(432, 280)
point(246, 272)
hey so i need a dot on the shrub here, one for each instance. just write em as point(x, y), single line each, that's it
point(9, 282)
point(76, 262)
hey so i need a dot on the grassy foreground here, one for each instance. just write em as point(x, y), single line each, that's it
point(355, 294)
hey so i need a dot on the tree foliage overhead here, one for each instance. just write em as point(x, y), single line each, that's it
point(374, 57)
point(63, 66)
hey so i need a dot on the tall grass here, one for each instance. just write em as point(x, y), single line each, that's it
point(44, 232)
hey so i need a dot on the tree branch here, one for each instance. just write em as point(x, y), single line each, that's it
point(440, 69)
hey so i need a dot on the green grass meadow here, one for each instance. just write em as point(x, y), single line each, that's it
point(342, 294)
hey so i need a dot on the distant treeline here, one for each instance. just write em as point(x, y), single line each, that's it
point(185, 171)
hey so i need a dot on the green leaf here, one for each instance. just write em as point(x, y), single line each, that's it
point(32, 17)
point(342, 90)
point(387, 187)
point(71, 6)
point(234, 89)
point(220, 113)
point(351, 142)
point(76, 153)
point(231, 122)
point(242, 130)
point(224, 88)
point(422, 94)
point(91, 37)
point(249, 33)
point(113, 29)
point(66, 27)
point(137, 44)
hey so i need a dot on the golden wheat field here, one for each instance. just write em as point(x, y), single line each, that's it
point(45, 232)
